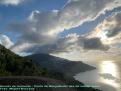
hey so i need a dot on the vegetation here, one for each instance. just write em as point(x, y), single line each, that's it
point(14, 65)
point(56, 64)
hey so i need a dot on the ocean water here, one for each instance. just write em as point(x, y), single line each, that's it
point(106, 77)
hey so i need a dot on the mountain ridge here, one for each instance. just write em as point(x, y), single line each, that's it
point(61, 65)
point(12, 65)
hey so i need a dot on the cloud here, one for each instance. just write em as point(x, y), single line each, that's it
point(70, 43)
point(76, 12)
point(117, 28)
point(5, 41)
point(109, 31)
point(11, 2)
point(39, 28)
point(95, 44)
point(43, 28)
point(61, 45)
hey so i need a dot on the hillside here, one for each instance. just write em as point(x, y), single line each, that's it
point(12, 64)
point(52, 63)
point(16, 70)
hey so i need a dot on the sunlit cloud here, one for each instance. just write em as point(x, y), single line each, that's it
point(109, 30)
point(39, 32)
point(11, 2)
point(5, 41)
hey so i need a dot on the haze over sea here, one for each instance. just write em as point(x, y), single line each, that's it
point(106, 76)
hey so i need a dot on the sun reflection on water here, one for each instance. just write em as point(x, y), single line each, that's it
point(109, 73)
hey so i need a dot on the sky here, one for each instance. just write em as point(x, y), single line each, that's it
point(62, 27)
point(10, 13)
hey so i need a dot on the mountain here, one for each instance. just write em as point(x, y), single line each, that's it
point(12, 64)
point(16, 70)
point(67, 67)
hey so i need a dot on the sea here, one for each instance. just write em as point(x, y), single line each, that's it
point(106, 76)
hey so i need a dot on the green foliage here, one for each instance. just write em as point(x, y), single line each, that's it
point(12, 64)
